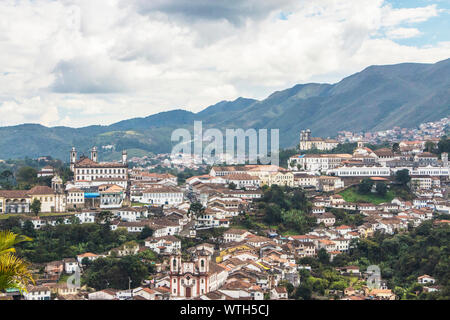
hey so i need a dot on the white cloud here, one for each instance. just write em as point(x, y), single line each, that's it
point(403, 33)
point(82, 62)
point(394, 17)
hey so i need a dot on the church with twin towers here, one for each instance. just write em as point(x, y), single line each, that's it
point(91, 172)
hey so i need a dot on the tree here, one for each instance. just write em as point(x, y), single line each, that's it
point(116, 273)
point(289, 286)
point(444, 145)
point(26, 175)
point(146, 233)
point(74, 220)
point(6, 175)
point(272, 213)
point(232, 186)
point(66, 174)
point(381, 189)
point(430, 146)
point(28, 228)
point(196, 208)
point(402, 177)
point(104, 217)
point(14, 273)
point(323, 256)
point(303, 292)
point(36, 207)
point(365, 186)
point(395, 148)
point(85, 262)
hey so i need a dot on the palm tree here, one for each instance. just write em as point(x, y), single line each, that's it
point(14, 273)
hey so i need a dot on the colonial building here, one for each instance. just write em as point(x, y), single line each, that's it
point(139, 175)
point(90, 172)
point(243, 180)
point(14, 201)
point(47, 171)
point(162, 196)
point(75, 198)
point(19, 201)
point(190, 279)
point(307, 142)
point(360, 171)
point(281, 178)
point(111, 196)
point(51, 200)
point(316, 162)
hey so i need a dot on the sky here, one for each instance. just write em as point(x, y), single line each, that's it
point(82, 62)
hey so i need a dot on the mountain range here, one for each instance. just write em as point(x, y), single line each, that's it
point(377, 98)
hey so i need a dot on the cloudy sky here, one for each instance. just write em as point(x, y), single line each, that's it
point(83, 62)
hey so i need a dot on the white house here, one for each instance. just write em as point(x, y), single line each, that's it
point(89, 255)
point(278, 293)
point(426, 279)
point(37, 293)
point(162, 196)
point(235, 235)
point(163, 245)
point(70, 265)
point(360, 171)
point(105, 294)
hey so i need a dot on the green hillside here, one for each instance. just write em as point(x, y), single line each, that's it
point(377, 98)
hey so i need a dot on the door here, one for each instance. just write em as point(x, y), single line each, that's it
point(188, 292)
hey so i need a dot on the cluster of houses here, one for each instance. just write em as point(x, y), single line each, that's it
point(364, 162)
point(429, 131)
point(241, 264)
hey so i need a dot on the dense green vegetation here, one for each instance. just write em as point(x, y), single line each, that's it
point(117, 272)
point(284, 209)
point(64, 241)
point(344, 217)
point(367, 191)
point(404, 257)
point(353, 195)
point(401, 257)
point(22, 174)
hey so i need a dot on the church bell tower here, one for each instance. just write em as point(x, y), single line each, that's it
point(73, 158)
point(94, 154)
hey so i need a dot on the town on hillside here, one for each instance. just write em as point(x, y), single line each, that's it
point(371, 223)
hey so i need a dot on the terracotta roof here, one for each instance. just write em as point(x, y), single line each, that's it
point(427, 155)
point(236, 231)
point(163, 190)
point(113, 189)
point(87, 254)
point(241, 176)
point(14, 193)
point(39, 190)
point(384, 152)
point(280, 289)
point(88, 163)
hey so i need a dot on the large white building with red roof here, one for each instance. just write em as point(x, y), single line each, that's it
point(89, 172)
